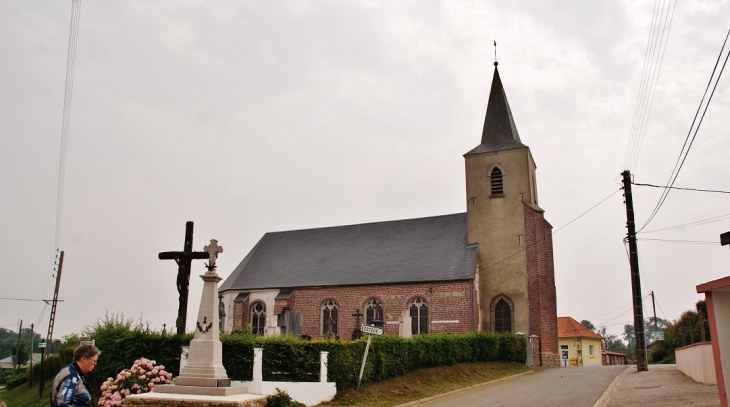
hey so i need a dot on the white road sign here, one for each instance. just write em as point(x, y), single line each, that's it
point(373, 330)
point(42, 345)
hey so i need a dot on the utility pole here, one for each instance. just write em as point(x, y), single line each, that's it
point(17, 349)
point(52, 320)
point(653, 307)
point(30, 385)
point(641, 365)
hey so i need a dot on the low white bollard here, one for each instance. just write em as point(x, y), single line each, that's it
point(323, 366)
point(258, 356)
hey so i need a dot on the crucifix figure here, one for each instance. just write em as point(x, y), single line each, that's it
point(183, 260)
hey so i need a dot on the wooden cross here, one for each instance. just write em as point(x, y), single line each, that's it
point(184, 259)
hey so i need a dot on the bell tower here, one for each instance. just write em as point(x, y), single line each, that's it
point(516, 276)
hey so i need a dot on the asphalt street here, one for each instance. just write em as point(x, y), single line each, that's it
point(546, 387)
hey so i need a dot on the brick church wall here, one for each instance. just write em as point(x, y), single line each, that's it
point(451, 306)
point(241, 312)
point(541, 287)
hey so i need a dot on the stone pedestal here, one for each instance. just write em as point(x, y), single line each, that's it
point(186, 400)
point(204, 373)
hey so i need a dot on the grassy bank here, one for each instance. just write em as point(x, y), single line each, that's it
point(425, 383)
point(24, 396)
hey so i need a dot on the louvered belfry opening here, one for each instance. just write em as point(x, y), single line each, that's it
point(497, 185)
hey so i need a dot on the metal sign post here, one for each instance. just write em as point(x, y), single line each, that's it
point(370, 330)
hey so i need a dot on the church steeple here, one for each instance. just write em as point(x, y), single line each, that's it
point(500, 132)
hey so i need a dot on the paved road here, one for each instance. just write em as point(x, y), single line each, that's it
point(546, 387)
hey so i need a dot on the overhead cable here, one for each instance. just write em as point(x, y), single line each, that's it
point(689, 141)
point(653, 58)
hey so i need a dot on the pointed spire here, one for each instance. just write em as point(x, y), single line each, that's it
point(500, 132)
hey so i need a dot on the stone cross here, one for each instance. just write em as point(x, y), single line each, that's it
point(212, 249)
point(184, 260)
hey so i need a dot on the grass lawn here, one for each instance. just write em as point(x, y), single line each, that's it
point(24, 396)
point(425, 383)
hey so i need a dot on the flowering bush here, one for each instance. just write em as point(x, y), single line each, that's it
point(140, 378)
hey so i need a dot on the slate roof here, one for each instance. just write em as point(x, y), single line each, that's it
point(411, 250)
point(500, 132)
point(570, 328)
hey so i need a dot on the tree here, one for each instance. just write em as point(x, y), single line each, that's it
point(23, 354)
point(586, 323)
point(630, 338)
point(652, 329)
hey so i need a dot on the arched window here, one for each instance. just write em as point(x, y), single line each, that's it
point(328, 325)
point(419, 317)
point(258, 318)
point(502, 317)
point(497, 185)
point(373, 312)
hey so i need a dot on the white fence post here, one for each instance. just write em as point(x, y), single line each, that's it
point(258, 356)
point(323, 366)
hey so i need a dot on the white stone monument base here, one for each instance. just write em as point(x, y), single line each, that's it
point(199, 390)
point(156, 399)
point(308, 393)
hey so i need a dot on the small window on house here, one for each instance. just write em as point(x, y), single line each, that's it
point(497, 185)
point(373, 312)
point(590, 350)
point(258, 318)
point(502, 317)
point(419, 317)
point(328, 327)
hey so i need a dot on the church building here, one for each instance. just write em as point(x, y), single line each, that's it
point(487, 269)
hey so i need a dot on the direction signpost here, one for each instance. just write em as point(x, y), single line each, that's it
point(370, 330)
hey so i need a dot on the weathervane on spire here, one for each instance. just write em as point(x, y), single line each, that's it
point(495, 54)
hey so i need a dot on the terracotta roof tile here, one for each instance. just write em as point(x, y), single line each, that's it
point(570, 328)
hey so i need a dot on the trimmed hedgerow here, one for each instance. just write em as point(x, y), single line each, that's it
point(286, 358)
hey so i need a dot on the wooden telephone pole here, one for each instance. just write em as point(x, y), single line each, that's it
point(641, 363)
point(51, 322)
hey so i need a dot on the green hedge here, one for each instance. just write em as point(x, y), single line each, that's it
point(286, 358)
point(289, 359)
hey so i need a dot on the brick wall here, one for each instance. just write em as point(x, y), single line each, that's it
point(241, 311)
point(451, 306)
point(541, 287)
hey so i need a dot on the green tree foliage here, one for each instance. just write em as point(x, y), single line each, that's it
point(9, 340)
point(653, 326)
point(23, 353)
point(586, 323)
point(631, 340)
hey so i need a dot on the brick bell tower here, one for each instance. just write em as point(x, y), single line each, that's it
point(516, 272)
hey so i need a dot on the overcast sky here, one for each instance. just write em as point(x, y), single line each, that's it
point(248, 117)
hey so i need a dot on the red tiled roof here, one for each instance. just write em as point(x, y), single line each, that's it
point(610, 352)
point(570, 328)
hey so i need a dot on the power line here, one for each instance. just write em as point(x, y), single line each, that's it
point(551, 234)
point(18, 299)
point(684, 152)
point(653, 58)
point(683, 189)
point(690, 224)
point(652, 89)
point(702, 242)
